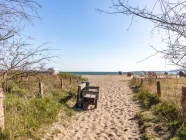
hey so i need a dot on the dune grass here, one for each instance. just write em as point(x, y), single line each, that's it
point(171, 88)
point(159, 118)
point(26, 112)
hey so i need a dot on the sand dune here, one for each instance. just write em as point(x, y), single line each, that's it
point(113, 118)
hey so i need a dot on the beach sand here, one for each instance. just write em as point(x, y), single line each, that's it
point(112, 120)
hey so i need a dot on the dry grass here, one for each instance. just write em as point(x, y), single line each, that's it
point(171, 88)
point(163, 119)
point(26, 112)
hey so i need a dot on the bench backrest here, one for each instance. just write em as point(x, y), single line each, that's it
point(82, 86)
point(79, 94)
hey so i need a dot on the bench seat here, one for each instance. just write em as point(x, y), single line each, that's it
point(89, 96)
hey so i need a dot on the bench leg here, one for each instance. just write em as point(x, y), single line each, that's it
point(96, 102)
point(77, 105)
point(96, 105)
point(82, 103)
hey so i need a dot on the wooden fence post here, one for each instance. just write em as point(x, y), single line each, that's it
point(61, 83)
point(141, 82)
point(40, 89)
point(78, 80)
point(134, 79)
point(70, 80)
point(158, 89)
point(2, 119)
point(183, 100)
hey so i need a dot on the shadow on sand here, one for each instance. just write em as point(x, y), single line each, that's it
point(64, 101)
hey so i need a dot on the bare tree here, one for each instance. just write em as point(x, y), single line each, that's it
point(19, 59)
point(14, 14)
point(166, 15)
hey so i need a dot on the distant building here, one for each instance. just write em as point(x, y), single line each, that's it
point(53, 70)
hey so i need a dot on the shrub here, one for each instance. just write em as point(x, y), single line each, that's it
point(181, 132)
point(24, 116)
point(147, 99)
point(26, 112)
point(176, 138)
point(168, 113)
point(164, 113)
point(65, 75)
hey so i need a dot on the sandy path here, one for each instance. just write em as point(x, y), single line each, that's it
point(112, 120)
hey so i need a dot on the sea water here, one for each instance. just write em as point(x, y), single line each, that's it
point(112, 73)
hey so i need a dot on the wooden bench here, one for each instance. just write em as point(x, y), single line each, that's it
point(90, 93)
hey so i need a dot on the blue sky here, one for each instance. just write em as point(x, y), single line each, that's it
point(89, 41)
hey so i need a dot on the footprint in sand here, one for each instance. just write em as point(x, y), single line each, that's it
point(111, 120)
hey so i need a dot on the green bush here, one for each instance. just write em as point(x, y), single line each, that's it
point(24, 116)
point(12, 87)
point(181, 132)
point(175, 138)
point(26, 112)
point(166, 111)
point(145, 137)
point(65, 75)
point(146, 99)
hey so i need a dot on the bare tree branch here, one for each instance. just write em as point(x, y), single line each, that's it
point(20, 59)
point(14, 14)
point(169, 16)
